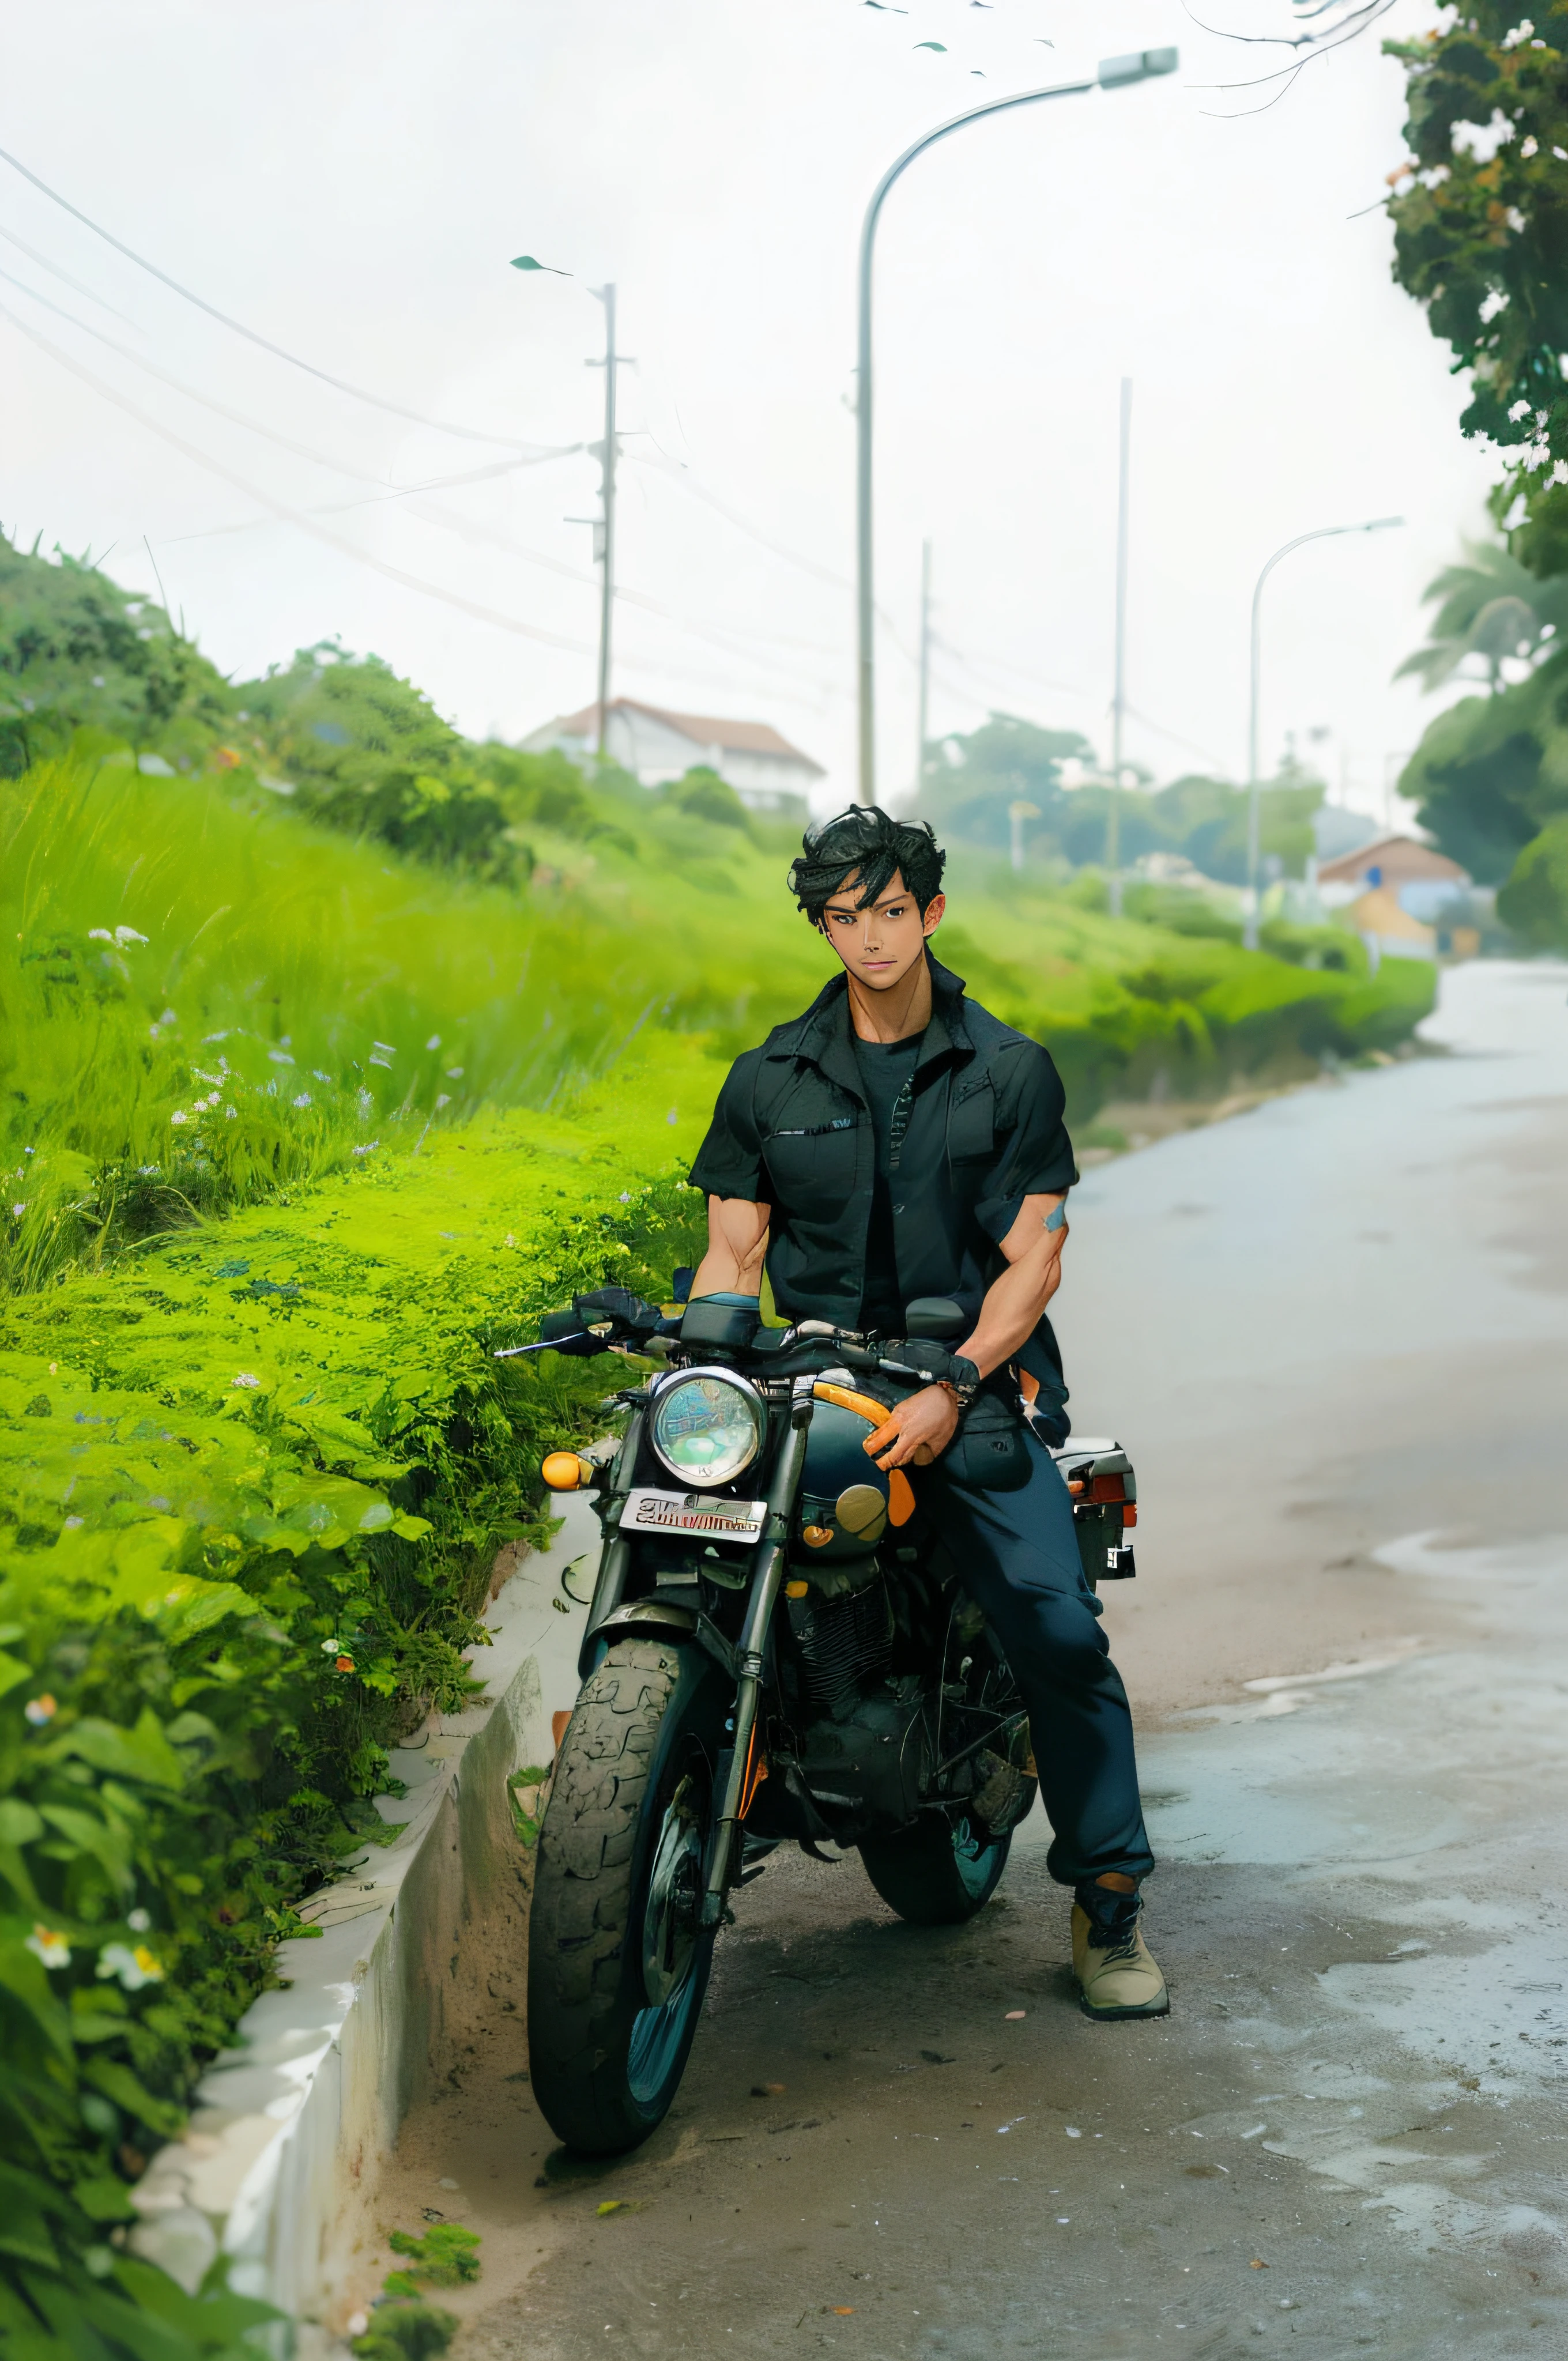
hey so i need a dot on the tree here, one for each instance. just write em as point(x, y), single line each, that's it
point(970, 780)
point(1480, 213)
point(1534, 901)
point(1490, 610)
point(78, 653)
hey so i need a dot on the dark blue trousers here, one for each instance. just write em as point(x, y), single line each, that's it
point(1017, 1556)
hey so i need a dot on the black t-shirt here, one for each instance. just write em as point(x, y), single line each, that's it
point(887, 1071)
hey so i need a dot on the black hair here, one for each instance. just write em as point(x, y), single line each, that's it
point(867, 841)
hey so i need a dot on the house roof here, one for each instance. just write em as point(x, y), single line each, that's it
point(1401, 859)
point(702, 728)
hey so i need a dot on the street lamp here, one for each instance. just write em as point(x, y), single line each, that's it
point(1322, 532)
point(1112, 73)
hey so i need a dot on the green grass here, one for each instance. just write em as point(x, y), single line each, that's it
point(207, 998)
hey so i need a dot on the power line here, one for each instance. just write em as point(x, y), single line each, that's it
point(56, 273)
point(340, 385)
point(294, 516)
point(270, 434)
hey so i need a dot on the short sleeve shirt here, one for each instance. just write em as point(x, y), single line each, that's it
point(793, 1130)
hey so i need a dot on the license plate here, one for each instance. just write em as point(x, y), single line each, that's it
point(715, 1519)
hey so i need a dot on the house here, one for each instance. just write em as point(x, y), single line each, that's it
point(654, 744)
point(1425, 883)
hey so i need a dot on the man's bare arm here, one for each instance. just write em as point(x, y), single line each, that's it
point(737, 1241)
point(924, 1423)
point(1015, 1302)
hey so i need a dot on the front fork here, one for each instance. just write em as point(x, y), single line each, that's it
point(767, 1576)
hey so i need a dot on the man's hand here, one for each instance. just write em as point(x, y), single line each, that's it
point(914, 1432)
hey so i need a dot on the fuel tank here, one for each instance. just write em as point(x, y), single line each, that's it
point(843, 1506)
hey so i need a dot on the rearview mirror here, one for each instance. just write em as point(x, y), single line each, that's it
point(936, 1318)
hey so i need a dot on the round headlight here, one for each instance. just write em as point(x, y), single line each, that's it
point(708, 1429)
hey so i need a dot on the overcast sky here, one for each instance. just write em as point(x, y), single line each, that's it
point(349, 180)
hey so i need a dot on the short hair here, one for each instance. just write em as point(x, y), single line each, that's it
point(868, 840)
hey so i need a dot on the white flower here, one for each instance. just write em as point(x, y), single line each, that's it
point(18, 1210)
point(138, 1921)
point(134, 1969)
point(280, 1057)
point(369, 1148)
point(124, 935)
point(454, 1073)
point(443, 1098)
point(99, 935)
point(74, 1524)
point(319, 1075)
point(434, 1042)
point(244, 1378)
point(39, 1709)
point(50, 1947)
point(230, 1114)
point(303, 1099)
point(179, 1115)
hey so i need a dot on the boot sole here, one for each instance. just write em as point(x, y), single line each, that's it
point(1160, 2007)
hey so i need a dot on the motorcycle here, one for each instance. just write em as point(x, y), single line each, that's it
point(777, 1648)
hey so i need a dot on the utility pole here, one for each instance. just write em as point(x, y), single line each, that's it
point(604, 533)
point(924, 668)
point(1119, 700)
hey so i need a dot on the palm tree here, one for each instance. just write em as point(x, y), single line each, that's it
point(1492, 609)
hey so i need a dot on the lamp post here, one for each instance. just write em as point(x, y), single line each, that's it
point(1112, 73)
point(1322, 532)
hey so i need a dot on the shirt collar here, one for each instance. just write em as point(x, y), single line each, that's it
point(823, 1033)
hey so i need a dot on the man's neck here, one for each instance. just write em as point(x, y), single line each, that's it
point(894, 1014)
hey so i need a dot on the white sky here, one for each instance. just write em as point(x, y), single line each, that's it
point(351, 179)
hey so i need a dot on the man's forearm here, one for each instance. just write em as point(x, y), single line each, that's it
point(1012, 1310)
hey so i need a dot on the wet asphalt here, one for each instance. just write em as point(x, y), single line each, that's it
point(1335, 1334)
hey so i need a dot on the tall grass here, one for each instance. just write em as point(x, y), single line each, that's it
point(205, 997)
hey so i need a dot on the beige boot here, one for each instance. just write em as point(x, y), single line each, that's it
point(1123, 1981)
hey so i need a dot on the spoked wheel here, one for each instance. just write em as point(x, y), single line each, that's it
point(941, 1870)
point(618, 1964)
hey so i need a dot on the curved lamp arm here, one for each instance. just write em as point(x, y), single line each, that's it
point(1112, 73)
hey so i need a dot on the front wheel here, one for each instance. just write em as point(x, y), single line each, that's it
point(617, 1963)
point(939, 1871)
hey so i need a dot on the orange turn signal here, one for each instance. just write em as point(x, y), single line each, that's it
point(565, 1472)
point(817, 1536)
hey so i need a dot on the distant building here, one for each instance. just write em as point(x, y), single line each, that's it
point(1397, 860)
point(1422, 881)
point(655, 744)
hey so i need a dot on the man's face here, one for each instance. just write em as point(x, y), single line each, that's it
point(880, 945)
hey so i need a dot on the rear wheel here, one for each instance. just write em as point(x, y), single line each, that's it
point(617, 1962)
point(939, 1871)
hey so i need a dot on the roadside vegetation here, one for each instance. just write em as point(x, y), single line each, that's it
point(336, 1048)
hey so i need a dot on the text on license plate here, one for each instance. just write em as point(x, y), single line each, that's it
point(650, 1511)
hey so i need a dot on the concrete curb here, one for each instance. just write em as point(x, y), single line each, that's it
point(279, 2167)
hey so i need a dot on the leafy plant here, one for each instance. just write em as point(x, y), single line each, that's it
point(1480, 216)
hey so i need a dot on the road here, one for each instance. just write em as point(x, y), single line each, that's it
point(1332, 1334)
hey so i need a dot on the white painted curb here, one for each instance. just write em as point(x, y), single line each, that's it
point(279, 2167)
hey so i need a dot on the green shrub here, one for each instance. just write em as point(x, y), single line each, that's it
point(253, 1482)
point(1534, 901)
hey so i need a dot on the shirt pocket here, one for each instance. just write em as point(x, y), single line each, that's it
point(813, 1167)
point(972, 1124)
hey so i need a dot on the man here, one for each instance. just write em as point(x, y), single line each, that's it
point(898, 1141)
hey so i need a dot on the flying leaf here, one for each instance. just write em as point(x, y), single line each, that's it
point(933, 45)
point(527, 262)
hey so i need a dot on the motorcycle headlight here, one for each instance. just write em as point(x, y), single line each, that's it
point(708, 1429)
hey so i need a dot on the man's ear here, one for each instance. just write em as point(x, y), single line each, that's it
point(931, 918)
